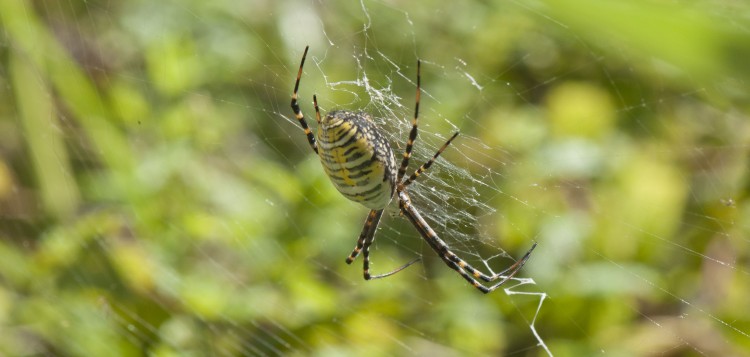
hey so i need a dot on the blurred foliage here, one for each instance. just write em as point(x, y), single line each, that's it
point(157, 197)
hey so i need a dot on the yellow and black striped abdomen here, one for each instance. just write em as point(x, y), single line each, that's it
point(357, 158)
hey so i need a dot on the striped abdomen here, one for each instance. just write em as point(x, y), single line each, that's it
point(357, 158)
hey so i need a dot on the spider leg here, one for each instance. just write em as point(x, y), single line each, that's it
point(463, 268)
point(427, 164)
point(510, 271)
point(298, 112)
point(317, 109)
point(373, 218)
point(366, 238)
point(413, 133)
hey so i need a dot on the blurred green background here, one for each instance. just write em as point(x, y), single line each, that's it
point(157, 196)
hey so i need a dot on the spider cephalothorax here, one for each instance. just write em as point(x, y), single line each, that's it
point(360, 163)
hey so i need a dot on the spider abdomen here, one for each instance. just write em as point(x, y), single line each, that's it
point(357, 158)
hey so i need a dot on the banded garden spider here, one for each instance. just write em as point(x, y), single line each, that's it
point(360, 163)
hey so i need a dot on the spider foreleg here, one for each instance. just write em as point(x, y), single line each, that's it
point(463, 268)
point(373, 218)
point(366, 238)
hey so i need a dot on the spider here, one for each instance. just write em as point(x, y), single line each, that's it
point(360, 163)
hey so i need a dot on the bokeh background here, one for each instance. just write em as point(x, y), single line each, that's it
point(158, 198)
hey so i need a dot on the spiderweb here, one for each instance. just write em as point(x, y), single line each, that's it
point(159, 196)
